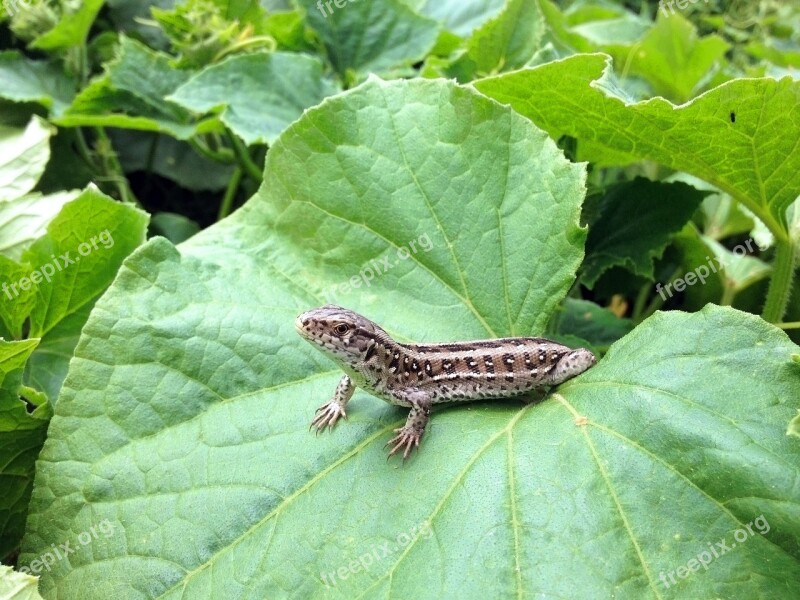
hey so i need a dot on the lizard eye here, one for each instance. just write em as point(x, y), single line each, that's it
point(341, 328)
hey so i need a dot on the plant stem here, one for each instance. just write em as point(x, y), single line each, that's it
point(112, 167)
point(226, 158)
point(728, 294)
point(230, 194)
point(658, 300)
point(782, 274)
point(639, 303)
point(243, 154)
point(795, 325)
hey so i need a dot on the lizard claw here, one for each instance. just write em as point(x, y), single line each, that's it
point(406, 439)
point(326, 416)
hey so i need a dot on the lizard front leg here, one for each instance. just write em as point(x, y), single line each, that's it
point(409, 435)
point(328, 414)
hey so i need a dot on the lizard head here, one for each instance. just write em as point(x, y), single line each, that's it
point(339, 333)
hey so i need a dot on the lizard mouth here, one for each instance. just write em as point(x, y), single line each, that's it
point(300, 325)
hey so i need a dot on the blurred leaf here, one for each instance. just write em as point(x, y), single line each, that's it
point(289, 31)
point(694, 254)
point(595, 324)
point(607, 23)
point(458, 16)
point(172, 159)
point(673, 58)
point(794, 426)
point(72, 27)
point(259, 94)
point(740, 270)
point(504, 43)
point(21, 437)
point(24, 219)
point(131, 94)
point(176, 228)
point(377, 36)
point(23, 156)
point(26, 80)
point(17, 586)
point(202, 31)
point(617, 239)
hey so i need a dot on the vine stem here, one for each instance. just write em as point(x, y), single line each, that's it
point(780, 288)
point(230, 193)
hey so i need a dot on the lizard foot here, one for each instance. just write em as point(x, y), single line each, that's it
point(327, 415)
point(407, 438)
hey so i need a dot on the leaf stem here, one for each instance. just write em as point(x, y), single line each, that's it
point(658, 300)
point(243, 154)
point(795, 325)
point(224, 157)
point(112, 167)
point(780, 288)
point(230, 194)
point(639, 303)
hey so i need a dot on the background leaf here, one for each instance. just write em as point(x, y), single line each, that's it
point(260, 94)
point(132, 94)
point(615, 239)
point(72, 27)
point(21, 436)
point(753, 158)
point(371, 37)
point(26, 80)
point(458, 16)
point(17, 586)
point(24, 154)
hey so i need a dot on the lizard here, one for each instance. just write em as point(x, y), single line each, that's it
point(418, 376)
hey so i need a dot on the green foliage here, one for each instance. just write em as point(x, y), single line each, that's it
point(453, 169)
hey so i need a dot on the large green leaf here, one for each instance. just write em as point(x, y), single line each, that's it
point(132, 94)
point(72, 27)
point(741, 136)
point(616, 239)
point(17, 586)
point(24, 219)
point(182, 426)
point(21, 437)
point(456, 15)
point(503, 43)
point(26, 80)
point(672, 57)
point(83, 248)
point(52, 289)
point(378, 36)
point(23, 156)
point(260, 93)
